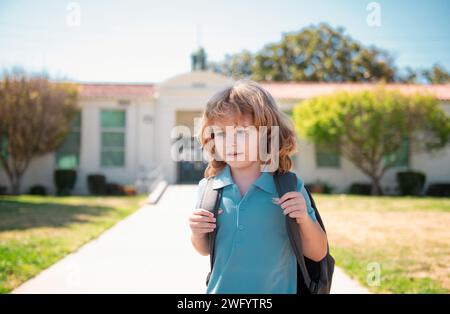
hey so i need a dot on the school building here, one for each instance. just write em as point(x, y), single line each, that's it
point(124, 131)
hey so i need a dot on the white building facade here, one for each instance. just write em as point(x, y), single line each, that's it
point(124, 132)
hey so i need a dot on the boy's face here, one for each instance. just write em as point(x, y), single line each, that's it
point(236, 141)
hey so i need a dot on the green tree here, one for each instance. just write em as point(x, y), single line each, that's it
point(368, 126)
point(34, 119)
point(237, 65)
point(315, 53)
point(437, 75)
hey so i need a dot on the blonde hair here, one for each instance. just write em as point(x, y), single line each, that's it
point(246, 97)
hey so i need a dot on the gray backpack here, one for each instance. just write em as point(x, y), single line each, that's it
point(312, 277)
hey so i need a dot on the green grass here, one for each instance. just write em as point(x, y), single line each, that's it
point(36, 231)
point(408, 237)
point(386, 203)
point(394, 277)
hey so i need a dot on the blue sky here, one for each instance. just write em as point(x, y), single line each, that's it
point(150, 41)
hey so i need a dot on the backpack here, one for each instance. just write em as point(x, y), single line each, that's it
point(312, 277)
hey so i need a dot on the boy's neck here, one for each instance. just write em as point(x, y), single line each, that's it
point(246, 174)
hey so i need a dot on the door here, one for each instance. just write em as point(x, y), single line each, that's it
point(191, 167)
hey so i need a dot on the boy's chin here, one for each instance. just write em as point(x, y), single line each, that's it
point(240, 163)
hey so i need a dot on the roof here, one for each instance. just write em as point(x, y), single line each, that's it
point(280, 90)
point(308, 90)
point(115, 89)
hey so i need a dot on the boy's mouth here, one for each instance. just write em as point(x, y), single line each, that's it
point(234, 154)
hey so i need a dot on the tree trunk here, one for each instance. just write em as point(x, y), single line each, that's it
point(376, 187)
point(15, 184)
point(16, 188)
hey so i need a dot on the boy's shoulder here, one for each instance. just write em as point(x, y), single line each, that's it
point(300, 183)
point(203, 181)
point(201, 188)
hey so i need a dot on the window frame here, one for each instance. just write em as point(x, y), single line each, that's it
point(405, 145)
point(318, 160)
point(74, 128)
point(113, 129)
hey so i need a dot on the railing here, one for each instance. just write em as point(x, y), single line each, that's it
point(147, 180)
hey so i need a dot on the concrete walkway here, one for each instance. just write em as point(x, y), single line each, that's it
point(148, 252)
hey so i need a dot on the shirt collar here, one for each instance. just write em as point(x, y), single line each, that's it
point(223, 178)
point(264, 181)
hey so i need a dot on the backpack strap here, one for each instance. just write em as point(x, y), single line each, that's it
point(284, 183)
point(211, 201)
point(316, 276)
point(326, 267)
point(319, 219)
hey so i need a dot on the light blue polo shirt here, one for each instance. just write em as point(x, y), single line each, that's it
point(253, 253)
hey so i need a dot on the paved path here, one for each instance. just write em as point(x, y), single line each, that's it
point(148, 252)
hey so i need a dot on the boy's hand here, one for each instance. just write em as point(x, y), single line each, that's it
point(202, 222)
point(294, 205)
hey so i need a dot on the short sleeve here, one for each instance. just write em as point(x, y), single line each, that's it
point(200, 189)
point(301, 189)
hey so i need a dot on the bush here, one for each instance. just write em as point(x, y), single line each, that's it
point(410, 182)
point(320, 187)
point(37, 190)
point(130, 190)
point(439, 189)
point(327, 188)
point(3, 190)
point(360, 188)
point(64, 180)
point(96, 184)
point(114, 189)
point(314, 187)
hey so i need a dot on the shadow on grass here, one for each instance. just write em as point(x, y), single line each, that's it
point(22, 215)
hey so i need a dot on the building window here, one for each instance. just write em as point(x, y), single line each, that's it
point(68, 153)
point(327, 155)
point(112, 138)
point(399, 158)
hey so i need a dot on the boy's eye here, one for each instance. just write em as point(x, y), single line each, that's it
point(219, 134)
point(238, 132)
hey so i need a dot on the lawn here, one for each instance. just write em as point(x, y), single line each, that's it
point(407, 237)
point(37, 231)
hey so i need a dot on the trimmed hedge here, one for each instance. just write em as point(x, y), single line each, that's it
point(411, 182)
point(360, 188)
point(96, 184)
point(114, 189)
point(38, 190)
point(439, 189)
point(64, 180)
